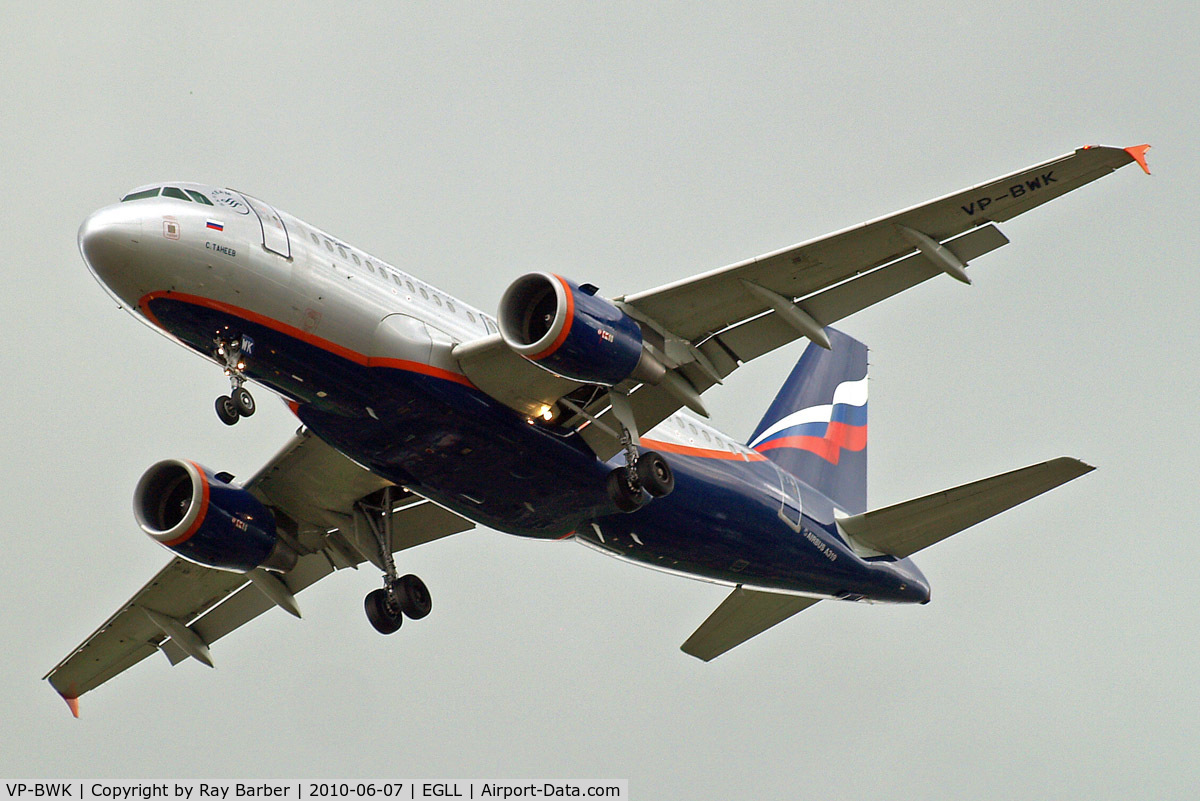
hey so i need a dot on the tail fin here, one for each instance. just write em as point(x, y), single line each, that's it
point(816, 428)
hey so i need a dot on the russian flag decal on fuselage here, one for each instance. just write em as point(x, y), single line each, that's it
point(826, 429)
point(215, 226)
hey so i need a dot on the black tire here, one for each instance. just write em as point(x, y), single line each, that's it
point(415, 600)
point(227, 410)
point(383, 618)
point(244, 401)
point(655, 474)
point(619, 492)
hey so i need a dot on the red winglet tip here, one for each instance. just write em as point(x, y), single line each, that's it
point(1138, 152)
point(73, 703)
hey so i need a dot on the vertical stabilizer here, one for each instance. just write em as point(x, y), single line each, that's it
point(816, 428)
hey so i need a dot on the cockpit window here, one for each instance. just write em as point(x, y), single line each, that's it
point(145, 193)
point(170, 191)
point(199, 198)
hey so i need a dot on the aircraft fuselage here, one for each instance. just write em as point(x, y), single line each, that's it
point(362, 352)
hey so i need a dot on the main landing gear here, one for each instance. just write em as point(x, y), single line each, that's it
point(648, 471)
point(239, 402)
point(401, 596)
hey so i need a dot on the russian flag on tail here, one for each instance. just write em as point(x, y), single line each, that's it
point(816, 428)
point(826, 429)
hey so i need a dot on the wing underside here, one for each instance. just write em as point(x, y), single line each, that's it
point(703, 327)
point(314, 492)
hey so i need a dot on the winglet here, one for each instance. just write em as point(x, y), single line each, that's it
point(1138, 152)
point(73, 703)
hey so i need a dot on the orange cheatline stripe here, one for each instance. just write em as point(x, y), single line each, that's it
point(703, 453)
point(566, 329)
point(303, 336)
point(418, 367)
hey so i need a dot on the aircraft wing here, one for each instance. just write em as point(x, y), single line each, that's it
point(742, 615)
point(705, 326)
point(312, 489)
point(708, 303)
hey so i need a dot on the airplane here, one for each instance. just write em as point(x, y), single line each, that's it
point(567, 416)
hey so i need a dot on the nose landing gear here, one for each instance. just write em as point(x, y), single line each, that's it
point(239, 402)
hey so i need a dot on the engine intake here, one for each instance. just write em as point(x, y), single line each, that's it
point(568, 330)
point(187, 509)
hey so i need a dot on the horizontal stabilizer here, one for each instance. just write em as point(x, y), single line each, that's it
point(742, 615)
point(906, 528)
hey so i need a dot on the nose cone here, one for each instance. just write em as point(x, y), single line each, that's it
point(108, 242)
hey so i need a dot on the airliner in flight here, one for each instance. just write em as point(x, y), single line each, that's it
point(568, 415)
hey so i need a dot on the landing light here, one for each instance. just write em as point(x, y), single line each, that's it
point(547, 413)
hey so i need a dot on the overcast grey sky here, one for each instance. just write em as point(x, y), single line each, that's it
point(469, 143)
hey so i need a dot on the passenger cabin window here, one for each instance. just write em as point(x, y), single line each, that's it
point(315, 240)
point(424, 294)
point(342, 252)
point(450, 306)
point(171, 191)
point(199, 198)
point(328, 245)
point(357, 263)
point(145, 193)
point(396, 278)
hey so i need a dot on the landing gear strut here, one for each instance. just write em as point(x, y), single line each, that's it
point(647, 471)
point(401, 596)
point(239, 402)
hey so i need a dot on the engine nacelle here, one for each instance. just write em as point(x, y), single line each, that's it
point(568, 330)
point(187, 509)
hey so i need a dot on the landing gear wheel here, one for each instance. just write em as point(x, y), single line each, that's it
point(227, 410)
point(655, 474)
point(244, 401)
point(625, 497)
point(414, 597)
point(383, 617)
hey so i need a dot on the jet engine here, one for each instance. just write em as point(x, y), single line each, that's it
point(565, 328)
point(207, 520)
